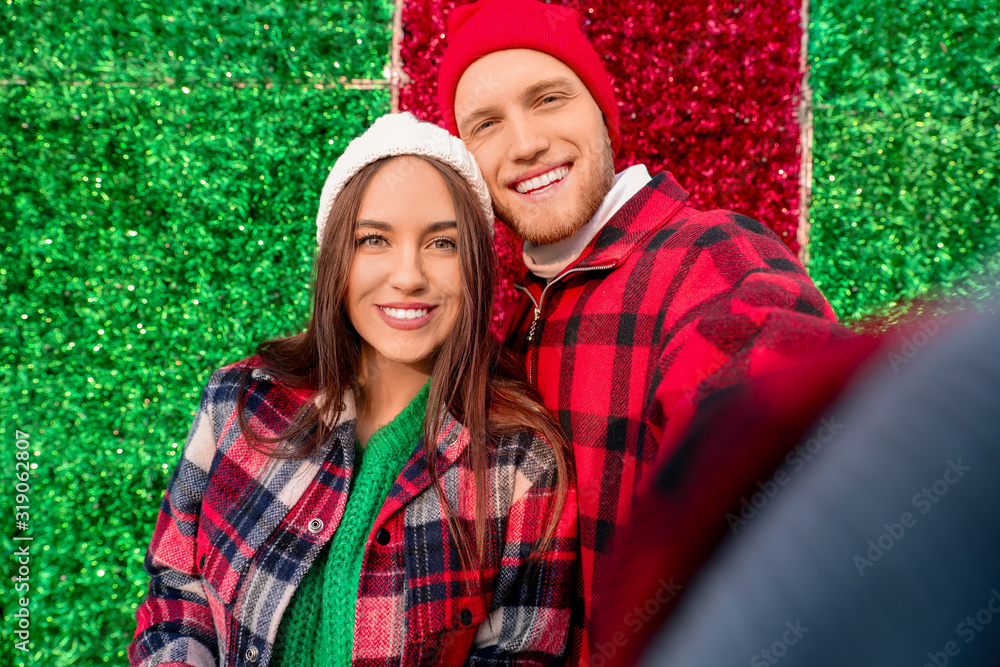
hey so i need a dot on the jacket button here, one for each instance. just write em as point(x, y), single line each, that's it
point(252, 654)
point(201, 562)
point(382, 536)
point(315, 525)
point(465, 617)
point(452, 439)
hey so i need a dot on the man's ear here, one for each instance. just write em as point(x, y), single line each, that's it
point(611, 146)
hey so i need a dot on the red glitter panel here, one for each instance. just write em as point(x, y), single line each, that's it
point(708, 91)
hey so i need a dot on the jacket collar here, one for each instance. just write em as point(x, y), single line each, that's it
point(648, 211)
point(452, 440)
point(651, 209)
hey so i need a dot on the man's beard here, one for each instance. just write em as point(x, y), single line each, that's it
point(539, 231)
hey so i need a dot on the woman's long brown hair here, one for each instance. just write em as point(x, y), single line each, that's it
point(474, 378)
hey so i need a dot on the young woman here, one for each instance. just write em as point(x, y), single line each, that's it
point(380, 489)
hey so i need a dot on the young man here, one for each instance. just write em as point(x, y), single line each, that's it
point(636, 306)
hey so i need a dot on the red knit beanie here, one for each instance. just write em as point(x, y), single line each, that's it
point(486, 26)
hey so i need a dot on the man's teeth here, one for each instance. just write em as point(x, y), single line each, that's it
point(406, 314)
point(542, 181)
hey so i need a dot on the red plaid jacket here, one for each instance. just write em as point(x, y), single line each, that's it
point(237, 531)
point(666, 305)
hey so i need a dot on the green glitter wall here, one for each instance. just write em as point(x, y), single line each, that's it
point(906, 192)
point(158, 168)
point(159, 176)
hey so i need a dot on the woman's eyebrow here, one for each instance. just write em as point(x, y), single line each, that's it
point(443, 224)
point(386, 227)
point(376, 224)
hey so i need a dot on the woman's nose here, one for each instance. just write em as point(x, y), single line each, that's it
point(407, 273)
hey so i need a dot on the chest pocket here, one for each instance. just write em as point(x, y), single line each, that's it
point(221, 561)
point(238, 515)
point(440, 631)
point(442, 601)
point(434, 617)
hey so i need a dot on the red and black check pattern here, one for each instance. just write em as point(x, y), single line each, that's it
point(666, 305)
point(237, 531)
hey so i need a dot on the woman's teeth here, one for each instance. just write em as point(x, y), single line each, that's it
point(537, 182)
point(405, 314)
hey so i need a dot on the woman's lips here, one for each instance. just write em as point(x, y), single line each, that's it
point(406, 316)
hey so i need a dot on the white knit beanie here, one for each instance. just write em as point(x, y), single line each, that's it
point(401, 134)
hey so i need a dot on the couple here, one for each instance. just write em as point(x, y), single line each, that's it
point(393, 486)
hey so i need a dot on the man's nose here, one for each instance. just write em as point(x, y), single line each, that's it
point(528, 140)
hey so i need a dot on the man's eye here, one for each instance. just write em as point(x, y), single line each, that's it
point(485, 125)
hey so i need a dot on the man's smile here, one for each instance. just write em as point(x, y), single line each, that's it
point(537, 183)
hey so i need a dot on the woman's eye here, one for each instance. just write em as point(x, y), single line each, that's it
point(444, 244)
point(371, 241)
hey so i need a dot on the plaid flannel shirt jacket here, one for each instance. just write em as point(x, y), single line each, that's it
point(666, 305)
point(237, 531)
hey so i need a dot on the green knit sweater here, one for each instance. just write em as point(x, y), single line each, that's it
point(318, 626)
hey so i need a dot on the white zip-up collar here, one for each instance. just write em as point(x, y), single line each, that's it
point(548, 261)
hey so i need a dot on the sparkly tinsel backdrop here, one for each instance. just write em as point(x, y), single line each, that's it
point(708, 91)
point(159, 172)
point(906, 182)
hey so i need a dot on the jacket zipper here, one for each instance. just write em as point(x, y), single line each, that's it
point(538, 309)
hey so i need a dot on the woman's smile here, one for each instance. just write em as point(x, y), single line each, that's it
point(406, 316)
